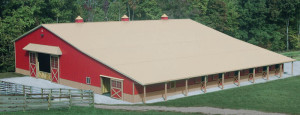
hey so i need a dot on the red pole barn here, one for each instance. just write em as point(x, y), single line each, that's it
point(140, 60)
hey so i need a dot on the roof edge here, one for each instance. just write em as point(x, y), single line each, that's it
point(27, 33)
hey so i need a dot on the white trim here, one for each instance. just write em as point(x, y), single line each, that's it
point(111, 77)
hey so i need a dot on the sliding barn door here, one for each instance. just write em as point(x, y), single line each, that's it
point(116, 89)
point(54, 63)
point(32, 64)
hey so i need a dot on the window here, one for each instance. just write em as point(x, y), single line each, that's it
point(116, 84)
point(32, 57)
point(172, 84)
point(88, 80)
point(54, 62)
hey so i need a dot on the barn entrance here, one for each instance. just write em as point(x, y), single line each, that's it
point(112, 87)
point(44, 61)
point(105, 86)
point(44, 66)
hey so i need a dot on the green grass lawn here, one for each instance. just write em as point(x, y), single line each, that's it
point(10, 74)
point(281, 96)
point(293, 54)
point(90, 111)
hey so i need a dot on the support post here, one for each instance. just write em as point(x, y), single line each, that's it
point(280, 70)
point(186, 87)
point(268, 72)
point(205, 79)
point(133, 92)
point(222, 80)
point(239, 77)
point(144, 98)
point(253, 75)
point(292, 70)
point(166, 86)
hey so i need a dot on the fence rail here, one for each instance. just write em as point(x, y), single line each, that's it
point(16, 97)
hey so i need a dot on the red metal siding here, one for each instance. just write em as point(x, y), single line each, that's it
point(74, 65)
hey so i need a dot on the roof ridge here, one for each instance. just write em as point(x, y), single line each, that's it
point(114, 21)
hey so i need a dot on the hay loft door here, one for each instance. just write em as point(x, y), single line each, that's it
point(116, 88)
point(54, 62)
point(32, 64)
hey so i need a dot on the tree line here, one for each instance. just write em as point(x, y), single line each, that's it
point(271, 24)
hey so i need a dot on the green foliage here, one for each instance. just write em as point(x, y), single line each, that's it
point(276, 96)
point(260, 22)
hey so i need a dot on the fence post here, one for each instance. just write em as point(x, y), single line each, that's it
point(23, 89)
point(93, 100)
point(42, 92)
point(24, 106)
point(81, 95)
point(49, 101)
point(70, 99)
point(59, 94)
point(30, 89)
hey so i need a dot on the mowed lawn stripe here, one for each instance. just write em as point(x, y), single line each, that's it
point(281, 96)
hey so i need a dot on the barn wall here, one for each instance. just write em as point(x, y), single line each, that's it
point(74, 65)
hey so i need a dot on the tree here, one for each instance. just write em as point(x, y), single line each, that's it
point(148, 10)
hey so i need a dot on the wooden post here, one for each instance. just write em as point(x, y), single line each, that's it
point(25, 103)
point(239, 78)
point(186, 87)
point(280, 70)
point(268, 72)
point(59, 94)
point(222, 80)
point(292, 70)
point(253, 75)
point(23, 89)
point(144, 98)
point(49, 100)
point(166, 90)
point(205, 79)
point(42, 93)
point(133, 92)
point(30, 89)
point(70, 98)
point(93, 100)
point(81, 91)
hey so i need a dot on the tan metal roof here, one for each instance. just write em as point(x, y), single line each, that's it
point(157, 51)
point(43, 49)
point(78, 18)
point(164, 15)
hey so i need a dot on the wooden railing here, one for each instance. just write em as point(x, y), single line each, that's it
point(15, 97)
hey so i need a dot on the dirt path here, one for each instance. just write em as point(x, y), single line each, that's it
point(205, 110)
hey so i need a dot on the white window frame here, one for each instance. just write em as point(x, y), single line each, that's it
point(88, 79)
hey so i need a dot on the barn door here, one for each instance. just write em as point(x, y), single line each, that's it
point(32, 64)
point(116, 89)
point(54, 68)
